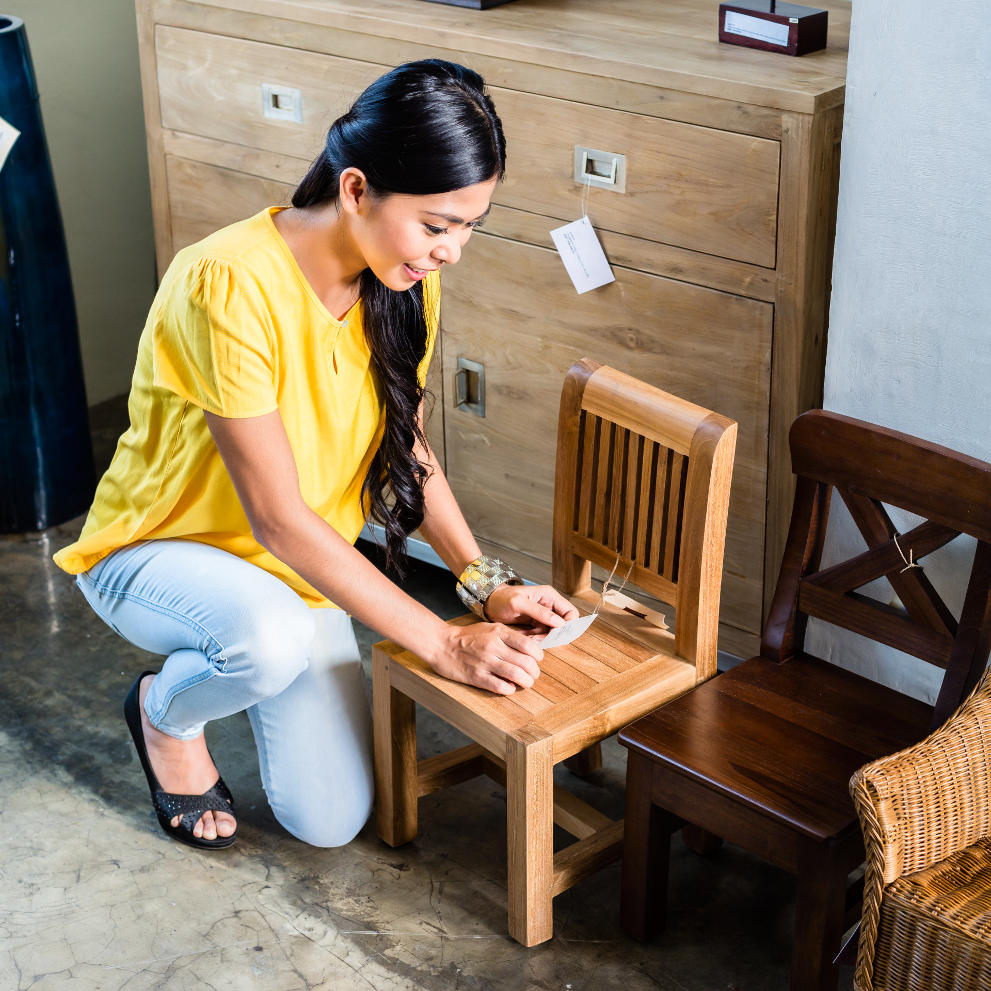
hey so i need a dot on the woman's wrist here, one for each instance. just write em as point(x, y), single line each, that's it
point(480, 579)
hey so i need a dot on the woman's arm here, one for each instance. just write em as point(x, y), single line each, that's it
point(447, 533)
point(259, 459)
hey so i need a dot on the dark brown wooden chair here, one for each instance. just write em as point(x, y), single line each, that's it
point(761, 756)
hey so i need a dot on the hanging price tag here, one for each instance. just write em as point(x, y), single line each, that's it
point(8, 135)
point(583, 257)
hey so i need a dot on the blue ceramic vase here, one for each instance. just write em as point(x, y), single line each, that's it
point(46, 458)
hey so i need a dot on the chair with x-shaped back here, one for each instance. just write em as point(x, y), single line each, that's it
point(762, 755)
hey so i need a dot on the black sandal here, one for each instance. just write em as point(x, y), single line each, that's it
point(189, 807)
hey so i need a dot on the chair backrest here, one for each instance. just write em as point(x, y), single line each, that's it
point(644, 476)
point(870, 466)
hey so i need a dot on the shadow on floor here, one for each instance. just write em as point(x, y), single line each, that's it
point(93, 892)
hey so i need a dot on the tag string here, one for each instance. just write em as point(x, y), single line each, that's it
point(909, 563)
point(588, 184)
point(605, 584)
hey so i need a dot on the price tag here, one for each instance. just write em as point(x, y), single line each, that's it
point(571, 630)
point(583, 257)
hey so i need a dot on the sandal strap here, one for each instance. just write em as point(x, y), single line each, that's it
point(217, 799)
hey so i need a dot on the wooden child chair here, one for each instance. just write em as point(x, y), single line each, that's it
point(762, 755)
point(643, 477)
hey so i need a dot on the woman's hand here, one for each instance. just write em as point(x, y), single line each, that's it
point(488, 655)
point(539, 606)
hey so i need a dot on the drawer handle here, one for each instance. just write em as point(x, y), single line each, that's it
point(469, 387)
point(282, 102)
point(602, 169)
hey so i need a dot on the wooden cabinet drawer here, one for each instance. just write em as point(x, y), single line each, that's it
point(212, 85)
point(512, 307)
point(205, 198)
point(695, 187)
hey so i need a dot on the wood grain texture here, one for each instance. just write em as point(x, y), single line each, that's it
point(501, 467)
point(781, 739)
point(582, 859)
point(529, 815)
point(681, 53)
point(203, 198)
point(697, 188)
point(395, 754)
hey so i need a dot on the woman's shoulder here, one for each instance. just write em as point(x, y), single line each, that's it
point(241, 252)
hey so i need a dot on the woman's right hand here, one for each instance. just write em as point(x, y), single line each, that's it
point(487, 655)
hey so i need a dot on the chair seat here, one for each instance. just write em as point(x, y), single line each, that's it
point(939, 918)
point(784, 738)
point(586, 690)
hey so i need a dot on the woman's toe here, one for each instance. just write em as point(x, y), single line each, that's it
point(225, 824)
point(209, 826)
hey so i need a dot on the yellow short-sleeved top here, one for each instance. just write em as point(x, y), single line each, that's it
point(236, 329)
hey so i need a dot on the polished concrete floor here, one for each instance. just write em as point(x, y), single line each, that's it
point(94, 896)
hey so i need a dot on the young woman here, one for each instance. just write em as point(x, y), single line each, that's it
point(276, 403)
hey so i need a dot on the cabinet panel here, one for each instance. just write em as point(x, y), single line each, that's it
point(696, 187)
point(205, 198)
point(212, 85)
point(512, 307)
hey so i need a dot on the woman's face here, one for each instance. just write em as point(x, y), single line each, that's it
point(403, 237)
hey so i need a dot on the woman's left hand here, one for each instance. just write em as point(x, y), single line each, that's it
point(539, 606)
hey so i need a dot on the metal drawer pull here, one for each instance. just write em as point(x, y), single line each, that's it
point(282, 102)
point(603, 169)
point(469, 387)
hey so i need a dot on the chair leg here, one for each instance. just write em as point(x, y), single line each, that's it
point(697, 839)
point(585, 761)
point(822, 874)
point(530, 821)
point(395, 757)
point(646, 853)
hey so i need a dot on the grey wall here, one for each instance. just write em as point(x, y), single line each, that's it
point(910, 320)
point(86, 58)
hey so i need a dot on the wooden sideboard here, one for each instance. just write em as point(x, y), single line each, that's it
point(721, 243)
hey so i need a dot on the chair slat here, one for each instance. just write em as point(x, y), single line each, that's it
point(675, 505)
point(528, 700)
point(617, 495)
point(563, 672)
point(659, 515)
point(602, 482)
point(875, 620)
point(631, 505)
point(583, 662)
point(587, 475)
point(647, 474)
point(551, 689)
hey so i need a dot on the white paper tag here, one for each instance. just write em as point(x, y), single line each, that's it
point(582, 255)
point(756, 28)
point(571, 630)
point(8, 135)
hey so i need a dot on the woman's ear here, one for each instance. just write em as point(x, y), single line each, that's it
point(354, 190)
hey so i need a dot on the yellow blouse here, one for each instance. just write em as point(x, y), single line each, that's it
point(236, 329)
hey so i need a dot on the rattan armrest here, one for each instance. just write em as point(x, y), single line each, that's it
point(922, 805)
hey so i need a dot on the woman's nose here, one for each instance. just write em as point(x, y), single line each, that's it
point(449, 252)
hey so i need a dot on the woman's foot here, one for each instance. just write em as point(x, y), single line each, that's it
point(184, 767)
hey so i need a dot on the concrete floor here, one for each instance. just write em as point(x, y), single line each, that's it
point(94, 896)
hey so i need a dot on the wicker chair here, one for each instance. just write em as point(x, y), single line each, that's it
point(926, 816)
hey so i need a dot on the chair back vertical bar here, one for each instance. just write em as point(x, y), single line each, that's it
point(644, 477)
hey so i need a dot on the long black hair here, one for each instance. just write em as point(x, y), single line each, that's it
point(425, 127)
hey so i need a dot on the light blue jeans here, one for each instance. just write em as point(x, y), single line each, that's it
point(236, 638)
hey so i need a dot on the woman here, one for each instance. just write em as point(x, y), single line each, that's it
point(277, 401)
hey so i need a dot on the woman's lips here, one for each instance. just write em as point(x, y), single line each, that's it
point(414, 273)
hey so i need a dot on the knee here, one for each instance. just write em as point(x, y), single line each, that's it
point(278, 642)
point(333, 828)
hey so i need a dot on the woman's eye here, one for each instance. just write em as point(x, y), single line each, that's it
point(435, 230)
